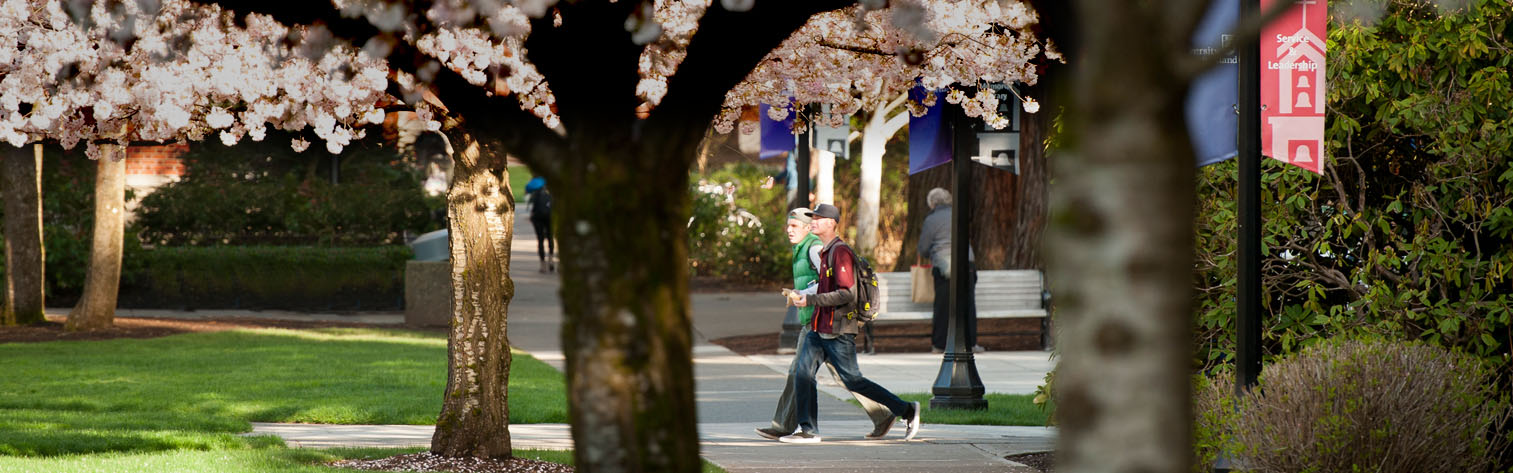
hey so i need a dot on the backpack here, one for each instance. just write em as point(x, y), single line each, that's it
point(867, 291)
point(541, 203)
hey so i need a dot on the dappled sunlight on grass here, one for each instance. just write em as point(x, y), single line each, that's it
point(197, 391)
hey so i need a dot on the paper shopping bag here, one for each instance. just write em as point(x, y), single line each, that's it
point(923, 283)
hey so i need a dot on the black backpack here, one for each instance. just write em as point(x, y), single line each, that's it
point(541, 203)
point(867, 292)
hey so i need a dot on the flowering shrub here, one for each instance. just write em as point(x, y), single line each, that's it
point(1359, 406)
point(724, 243)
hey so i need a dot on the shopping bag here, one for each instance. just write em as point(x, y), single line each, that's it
point(922, 282)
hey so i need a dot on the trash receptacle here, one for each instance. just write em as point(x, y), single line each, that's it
point(428, 282)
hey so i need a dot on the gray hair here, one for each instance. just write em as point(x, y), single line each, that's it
point(938, 197)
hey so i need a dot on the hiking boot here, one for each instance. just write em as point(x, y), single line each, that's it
point(881, 430)
point(800, 437)
point(912, 423)
point(769, 433)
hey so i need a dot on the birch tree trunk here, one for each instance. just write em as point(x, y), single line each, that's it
point(1119, 246)
point(824, 176)
point(875, 134)
point(25, 257)
point(102, 281)
point(474, 420)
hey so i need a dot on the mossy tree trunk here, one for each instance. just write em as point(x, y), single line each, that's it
point(474, 420)
point(21, 182)
point(1120, 243)
point(102, 281)
point(627, 334)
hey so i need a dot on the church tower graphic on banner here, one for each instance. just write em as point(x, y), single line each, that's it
point(1292, 89)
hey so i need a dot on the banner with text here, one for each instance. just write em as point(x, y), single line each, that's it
point(1292, 85)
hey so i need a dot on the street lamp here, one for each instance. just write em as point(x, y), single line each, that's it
point(958, 386)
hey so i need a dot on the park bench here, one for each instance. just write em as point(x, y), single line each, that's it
point(1000, 294)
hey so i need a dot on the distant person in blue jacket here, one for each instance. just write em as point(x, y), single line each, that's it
point(541, 219)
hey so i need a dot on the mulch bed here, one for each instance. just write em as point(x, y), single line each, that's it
point(426, 461)
point(1043, 461)
point(910, 337)
point(138, 327)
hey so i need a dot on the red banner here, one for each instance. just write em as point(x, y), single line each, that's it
point(1292, 85)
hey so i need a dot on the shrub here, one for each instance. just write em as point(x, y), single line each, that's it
point(264, 194)
point(1347, 406)
point(270, 277)
point(720, 247)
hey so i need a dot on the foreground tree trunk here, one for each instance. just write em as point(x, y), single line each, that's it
point(21, 181)
point(102, 282)
point(627, 334)
point(474, 420)
point(1119, 246)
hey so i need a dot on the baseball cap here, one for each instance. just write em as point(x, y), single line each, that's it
point(826, 211)
point(801, 214)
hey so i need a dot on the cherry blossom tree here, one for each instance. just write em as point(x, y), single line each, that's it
point(861, 61)
point(107, 74)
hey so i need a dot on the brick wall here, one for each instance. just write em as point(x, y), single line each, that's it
point(162, 160)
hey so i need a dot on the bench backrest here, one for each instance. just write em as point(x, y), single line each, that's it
point(996, 290)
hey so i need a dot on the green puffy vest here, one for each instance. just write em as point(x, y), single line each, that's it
point(804, 273)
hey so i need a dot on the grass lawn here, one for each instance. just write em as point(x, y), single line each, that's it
point(1003, 409)
point(197, 391)
point(519, 175)
point(256, 460)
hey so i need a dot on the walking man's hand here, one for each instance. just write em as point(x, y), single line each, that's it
point(803, 301)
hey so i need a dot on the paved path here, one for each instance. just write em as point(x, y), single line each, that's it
point(734, 393)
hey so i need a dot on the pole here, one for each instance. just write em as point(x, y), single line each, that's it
point(958, 386)
point(1248, 297)
point(788, 339)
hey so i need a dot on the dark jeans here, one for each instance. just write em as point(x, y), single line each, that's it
point(943, 309)
point(840, 352)
point(544, 240)
point(785, 418)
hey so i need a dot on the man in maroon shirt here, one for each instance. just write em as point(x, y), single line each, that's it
point(832, 336)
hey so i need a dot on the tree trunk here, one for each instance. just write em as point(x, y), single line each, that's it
point(996, 196)
point(919, 187)
point(1120, 246)
point(824, 176)
point(875, 135)
point(102, 282)
point(1030, 203)
point(474, 420)
point(626, 334)
point(21, 181)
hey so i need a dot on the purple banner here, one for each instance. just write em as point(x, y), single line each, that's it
point(777, 136)
point(929, 136)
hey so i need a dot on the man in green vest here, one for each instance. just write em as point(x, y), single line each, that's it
point(806, 256)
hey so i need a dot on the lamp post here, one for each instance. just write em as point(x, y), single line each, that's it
point(958, 386)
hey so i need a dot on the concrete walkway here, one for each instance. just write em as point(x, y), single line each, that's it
point(735, 393)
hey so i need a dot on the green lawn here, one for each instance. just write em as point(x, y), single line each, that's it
point(1003, 409)
point(519, 175)
point(197, 391)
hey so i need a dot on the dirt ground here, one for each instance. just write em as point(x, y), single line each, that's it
point(912, 337)
point(52, 329)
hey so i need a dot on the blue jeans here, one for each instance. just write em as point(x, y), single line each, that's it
point(841, 353)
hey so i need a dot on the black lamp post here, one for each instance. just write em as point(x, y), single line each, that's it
point(958, 386)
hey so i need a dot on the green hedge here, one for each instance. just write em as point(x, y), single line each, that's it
point(269, 277)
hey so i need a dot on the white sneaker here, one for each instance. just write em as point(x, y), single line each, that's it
point(800, 437)
point(911, 425)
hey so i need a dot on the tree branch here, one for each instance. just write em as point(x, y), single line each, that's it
point(495, 117)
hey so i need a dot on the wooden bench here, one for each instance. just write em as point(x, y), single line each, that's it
point(1000, 294)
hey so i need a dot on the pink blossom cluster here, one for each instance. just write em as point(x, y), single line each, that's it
point(856, 56)
point(97, 71)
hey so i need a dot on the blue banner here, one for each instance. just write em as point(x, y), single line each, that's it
point(777, 136)
point(929, 135)
point(1212, 121)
